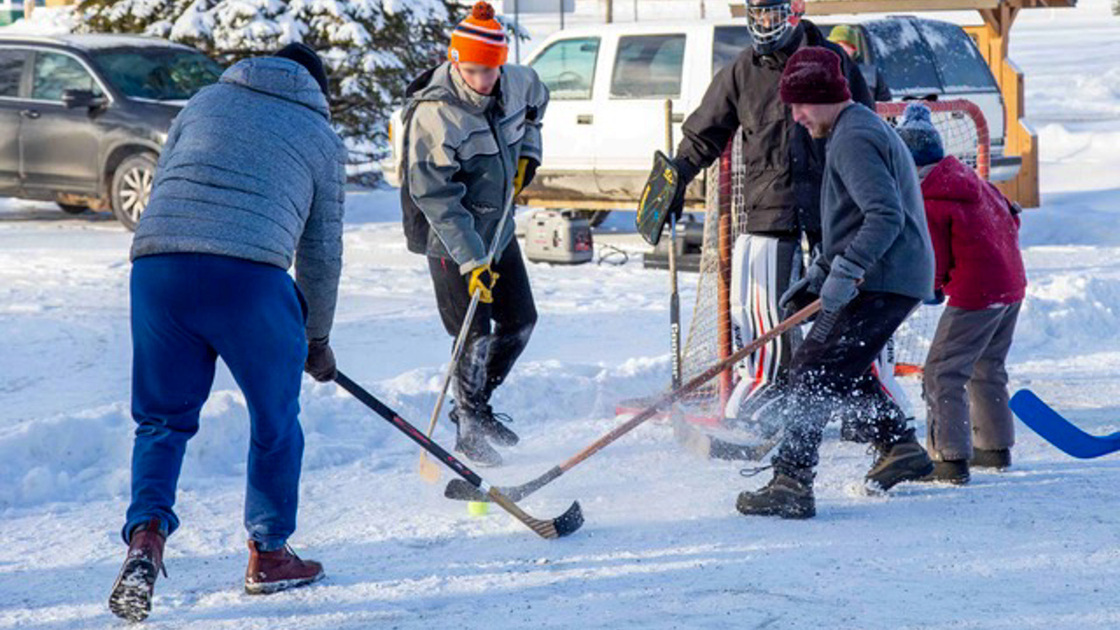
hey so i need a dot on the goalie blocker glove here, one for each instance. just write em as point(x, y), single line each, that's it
point(663, 195)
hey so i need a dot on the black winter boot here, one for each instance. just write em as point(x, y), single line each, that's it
point(954, 471)
point(904, 460)
point(491, 424)
point(998, 458)
point(787, 495)
point(471, 441)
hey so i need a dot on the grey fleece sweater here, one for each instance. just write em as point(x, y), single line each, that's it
point(252, 169)
point(872, 211)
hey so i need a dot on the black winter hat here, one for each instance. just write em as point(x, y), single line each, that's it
point(308, 58)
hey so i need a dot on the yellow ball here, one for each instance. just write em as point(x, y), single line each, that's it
point(478, 508)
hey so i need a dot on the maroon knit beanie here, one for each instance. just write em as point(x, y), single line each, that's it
point(813, 75)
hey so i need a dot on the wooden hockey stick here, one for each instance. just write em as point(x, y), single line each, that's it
point(561, 526)
point(427, 469)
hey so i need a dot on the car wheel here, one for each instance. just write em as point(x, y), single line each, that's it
point(132, 187)
point(72, 208)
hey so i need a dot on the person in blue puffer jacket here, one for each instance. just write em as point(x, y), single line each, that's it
point(251, 179)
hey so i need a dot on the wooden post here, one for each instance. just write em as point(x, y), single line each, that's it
point(993, 39)
point(610, 11)
point(723, 278)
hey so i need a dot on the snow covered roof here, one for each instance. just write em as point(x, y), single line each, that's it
point(95, 41)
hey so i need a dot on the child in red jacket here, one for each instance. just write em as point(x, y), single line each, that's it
point(975, 234)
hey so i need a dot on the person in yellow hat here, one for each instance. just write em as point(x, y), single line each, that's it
point(847, 37)
point(473, 139)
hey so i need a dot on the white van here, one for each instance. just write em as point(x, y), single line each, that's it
point(609, 84)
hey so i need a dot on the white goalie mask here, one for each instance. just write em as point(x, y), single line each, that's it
point(773, 23)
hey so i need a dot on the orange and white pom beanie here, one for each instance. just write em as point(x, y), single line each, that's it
point(479, 39)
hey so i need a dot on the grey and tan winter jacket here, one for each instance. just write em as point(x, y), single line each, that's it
point(463, 149)
point(252, 169)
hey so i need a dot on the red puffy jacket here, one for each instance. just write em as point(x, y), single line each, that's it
point(975, 238)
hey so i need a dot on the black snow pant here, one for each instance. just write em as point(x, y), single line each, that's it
point(832, 374)
point(491, 349)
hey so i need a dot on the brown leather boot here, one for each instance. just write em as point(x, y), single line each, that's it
point(280, 570)
point(131, 598)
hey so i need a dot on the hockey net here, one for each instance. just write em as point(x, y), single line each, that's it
point(964, 134)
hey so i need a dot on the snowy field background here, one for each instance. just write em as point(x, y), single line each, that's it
point(1035, 547)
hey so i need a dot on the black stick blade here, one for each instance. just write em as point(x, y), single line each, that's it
point(570, 521)
point(460, 490)
point(563, 525)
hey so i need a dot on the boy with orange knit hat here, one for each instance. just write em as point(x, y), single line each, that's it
point(472, 140)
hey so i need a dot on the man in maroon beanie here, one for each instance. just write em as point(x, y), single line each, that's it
point(875, 267)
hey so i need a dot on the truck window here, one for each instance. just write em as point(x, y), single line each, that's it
point(730, 41)
point(11, 71)
point(962, 67)
point(648, 66)
point(903, 57)
point(567, 67)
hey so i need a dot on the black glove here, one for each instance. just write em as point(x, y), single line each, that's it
point(840, 287)
point(801, 293)
point(938, 298)
point(687, 172)
point(320, 360)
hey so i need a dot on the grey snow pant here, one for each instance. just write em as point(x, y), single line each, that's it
point(965, 382)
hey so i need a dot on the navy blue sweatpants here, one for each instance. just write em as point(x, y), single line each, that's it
point(187, 310)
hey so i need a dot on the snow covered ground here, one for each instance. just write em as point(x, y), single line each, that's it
point(1035, 547)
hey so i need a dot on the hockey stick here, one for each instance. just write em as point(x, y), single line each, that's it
point(429, 472)
point(1058, 431)
point(457, 489)
point(674, 295)
point(708, 446)
point(561, 526)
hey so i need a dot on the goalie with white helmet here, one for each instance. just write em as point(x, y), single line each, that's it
point(783, 169)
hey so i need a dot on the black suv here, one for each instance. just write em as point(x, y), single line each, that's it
point(83, 117)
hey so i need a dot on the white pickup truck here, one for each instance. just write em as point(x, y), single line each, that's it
point(609, 84)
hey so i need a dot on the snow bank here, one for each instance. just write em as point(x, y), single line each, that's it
point(84, 456)
point(69, 457)
point(1068, 313)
